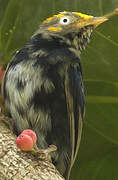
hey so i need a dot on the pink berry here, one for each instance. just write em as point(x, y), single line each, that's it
point(30, 133)
point(24, 142)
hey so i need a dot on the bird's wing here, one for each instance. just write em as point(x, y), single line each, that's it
point(75, 105)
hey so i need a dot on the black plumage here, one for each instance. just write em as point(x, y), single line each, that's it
point(43, 86)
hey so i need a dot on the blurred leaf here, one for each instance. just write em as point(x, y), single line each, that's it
point(8, 25)
point(97, 158)
point(3, 5)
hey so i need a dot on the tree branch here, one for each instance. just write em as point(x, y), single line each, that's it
point(16, 164)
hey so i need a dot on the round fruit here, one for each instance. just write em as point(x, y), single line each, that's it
point(30, 133)
point(24, 142)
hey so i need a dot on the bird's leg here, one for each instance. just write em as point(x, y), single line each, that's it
point(44, 153)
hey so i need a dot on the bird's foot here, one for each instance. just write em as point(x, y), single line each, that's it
point(44, 153)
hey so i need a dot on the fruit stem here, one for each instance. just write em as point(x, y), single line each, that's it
point(113, 13)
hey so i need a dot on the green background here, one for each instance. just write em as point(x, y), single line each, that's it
point(98, 153)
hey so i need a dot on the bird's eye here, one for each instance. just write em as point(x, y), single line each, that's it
point(64, 20)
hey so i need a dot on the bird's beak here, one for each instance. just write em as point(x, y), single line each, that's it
point(87, 20)
point(96, 21)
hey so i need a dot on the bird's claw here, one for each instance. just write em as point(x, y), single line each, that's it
point(44, 153)
point(50, 149)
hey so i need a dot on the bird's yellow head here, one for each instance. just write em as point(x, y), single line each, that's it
point(73, 27)
point(73, 21)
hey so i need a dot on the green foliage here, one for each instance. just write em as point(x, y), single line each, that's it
point(97, 158)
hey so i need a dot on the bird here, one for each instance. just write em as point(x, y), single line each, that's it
point(43, 85)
